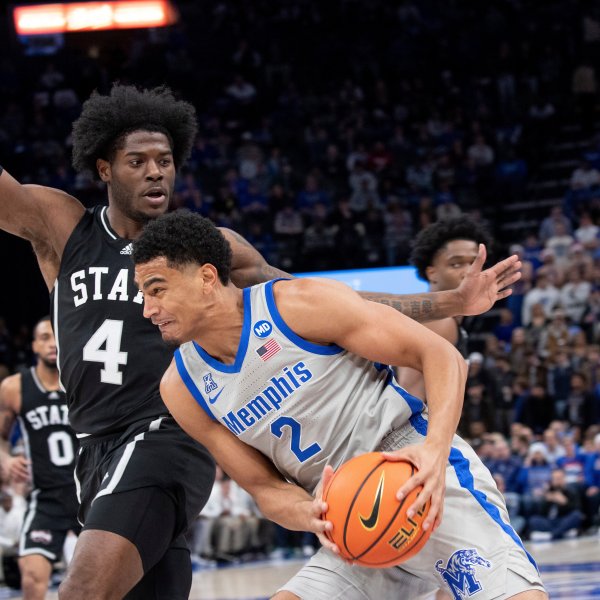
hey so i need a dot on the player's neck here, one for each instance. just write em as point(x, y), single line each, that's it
point(48, 376)
point(123, 225)
point(220, 330)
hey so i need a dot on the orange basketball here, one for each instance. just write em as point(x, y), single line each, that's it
point(370, 525)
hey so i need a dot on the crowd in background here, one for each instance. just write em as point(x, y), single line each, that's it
point(330, 133)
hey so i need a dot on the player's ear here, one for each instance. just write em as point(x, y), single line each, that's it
point(431, 274)
point(209, 275)
point(103, 167)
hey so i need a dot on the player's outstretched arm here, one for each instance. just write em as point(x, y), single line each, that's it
point(282, 502)
point(326, 312)
point(36, 213)
point(248, 266)
point(44, 216)
point(13, 467)
point(477, 293)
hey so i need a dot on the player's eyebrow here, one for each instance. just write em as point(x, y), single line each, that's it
point(144, 152)
point(149, 282)
point(455, 256)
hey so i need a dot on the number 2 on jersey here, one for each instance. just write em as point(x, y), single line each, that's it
point(108, 335)
point(277, 430)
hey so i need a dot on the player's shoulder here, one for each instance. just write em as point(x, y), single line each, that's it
point(10, 389)
point(307, 286)
point(170, 378)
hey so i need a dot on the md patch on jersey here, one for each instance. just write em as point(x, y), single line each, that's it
point(262, 329)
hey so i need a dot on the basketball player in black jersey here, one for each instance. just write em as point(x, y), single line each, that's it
point(442, 254)
point(142, 479)
point(34, 398)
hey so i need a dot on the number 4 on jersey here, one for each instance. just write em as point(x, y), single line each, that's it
point(108, 335)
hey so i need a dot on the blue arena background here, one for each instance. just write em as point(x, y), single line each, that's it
point(393, 280)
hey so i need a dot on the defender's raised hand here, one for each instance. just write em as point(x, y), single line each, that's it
point(480, 290)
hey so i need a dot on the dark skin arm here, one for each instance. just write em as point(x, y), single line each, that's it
point(13, 467)
point(477, 293)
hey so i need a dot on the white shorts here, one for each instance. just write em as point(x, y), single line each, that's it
point(474, 553)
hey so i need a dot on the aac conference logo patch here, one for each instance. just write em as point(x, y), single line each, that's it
point(262, 329)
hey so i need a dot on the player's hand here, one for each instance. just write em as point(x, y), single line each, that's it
point(430, 460)
point(17, 469)
point(480, 290)
point(318, 509)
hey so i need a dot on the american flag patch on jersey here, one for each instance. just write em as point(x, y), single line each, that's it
point(269, 349)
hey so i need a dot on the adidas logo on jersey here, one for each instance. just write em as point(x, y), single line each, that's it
point(128, 249)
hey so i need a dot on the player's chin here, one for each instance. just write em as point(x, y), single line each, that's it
point(171, 340)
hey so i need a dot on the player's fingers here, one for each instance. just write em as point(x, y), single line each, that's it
point(409, 485)
point(397, 455)
point(434, 514)
point(477, 264)
point(327, 543)
point(507, 280)
point(506, 266)
point(328, 474)
point(319, 508)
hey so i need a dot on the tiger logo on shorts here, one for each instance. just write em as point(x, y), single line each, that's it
point(459, 573)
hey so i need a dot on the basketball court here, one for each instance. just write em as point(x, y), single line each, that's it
point(570, 570)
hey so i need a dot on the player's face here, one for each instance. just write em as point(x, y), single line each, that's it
point(450, 264)
point(173, 298)
point(44, 344)
point(141, 176)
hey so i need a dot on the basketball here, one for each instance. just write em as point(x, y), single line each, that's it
point(370, 525)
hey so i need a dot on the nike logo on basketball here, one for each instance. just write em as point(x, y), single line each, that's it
point(214, 398)
point(371, 522)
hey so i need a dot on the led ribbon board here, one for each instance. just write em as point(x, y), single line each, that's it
point(92, 16)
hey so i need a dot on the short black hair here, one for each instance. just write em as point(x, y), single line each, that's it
point(105, 121)
point(39, 322)
point(184, 237)
point(433, 238)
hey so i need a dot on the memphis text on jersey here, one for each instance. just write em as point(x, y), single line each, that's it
point(291, 379)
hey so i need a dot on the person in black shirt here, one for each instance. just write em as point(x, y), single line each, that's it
point(34, 399)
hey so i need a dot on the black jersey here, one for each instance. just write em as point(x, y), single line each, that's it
point(463, 338)
point(50, 443)
point(111, 358)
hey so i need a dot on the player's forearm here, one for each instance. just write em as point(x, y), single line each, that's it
point(420, 307)
point(283, 504)
point(445, 383)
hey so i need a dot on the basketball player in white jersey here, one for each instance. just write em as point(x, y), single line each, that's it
point(111, 359)
point(285, 380)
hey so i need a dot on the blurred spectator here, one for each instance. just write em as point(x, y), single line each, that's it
point(544, 293)
point(504, 463)
point(582, 405)
point(535, 409)
point(584, 87)
point(573, 464)
point(592, 478)
point(574, 295)
point(548, 227)
point(588, 233)
point(559, 510)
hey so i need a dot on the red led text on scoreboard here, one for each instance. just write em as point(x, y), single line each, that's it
point(88, 16)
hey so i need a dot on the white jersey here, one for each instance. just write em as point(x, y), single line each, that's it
point(301, 404)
